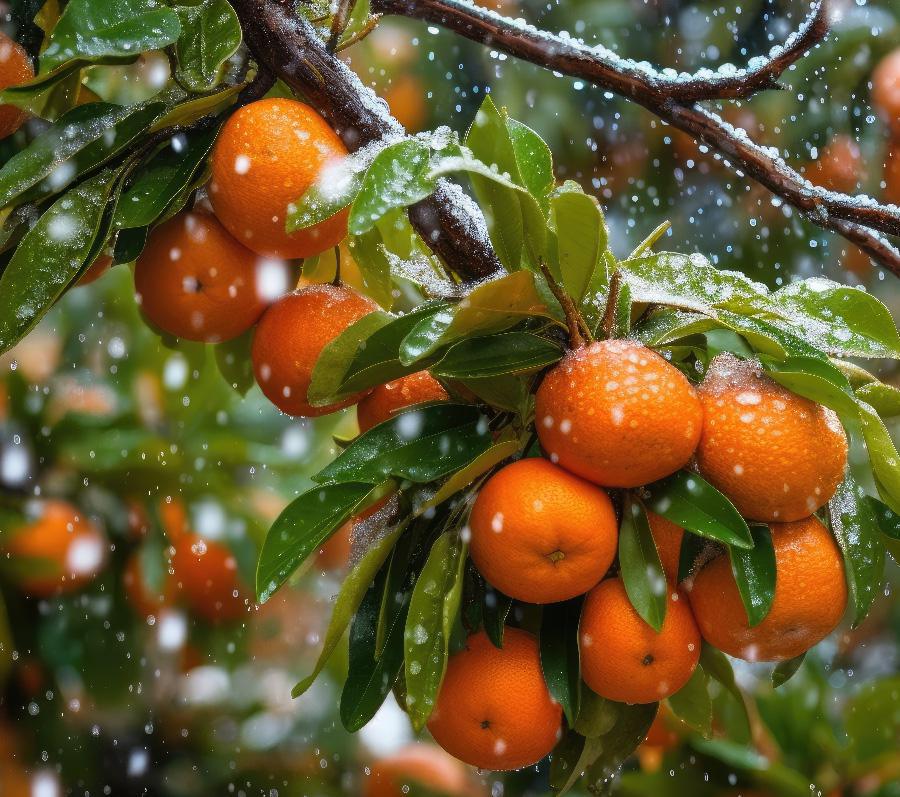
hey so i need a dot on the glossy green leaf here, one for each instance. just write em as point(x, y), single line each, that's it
point(884, 399)
point(495, 355)
point(51, 254)
point(301, 529)
point(580, 238)
point(717, 666)
point(620, 742)
point(234, 362)
point(109, 31)
point(349, 598)
point(691, 502)
point(432, 611)
point(785, 670)
point(883, 455)
point(692, 703)
point(421, 445)
point(195, 108)
point(560, 660)
point(781, 779)
point(815, 379)
point(857, 531)
point(667, 325)
point(495, 610)
point(210, 35)
point(533, 158)
point(640, 568)
point(754, 573)
point(888, 520)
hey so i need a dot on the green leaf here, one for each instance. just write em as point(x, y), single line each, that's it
point(692, 703)
point(495, 610)
point(195, 108)
point(108, 31)
point(421, 445)
point(51, 254)
point(349, 598)
point(491, 307)
point(856, 528)
point(397, 178)
point(160, 181)
point(559, 655)
point(779, 778)
point(888, 520)
point(785, 670)
point(691, 502)
point(130, 244)
point(883, 455)
point(872, 719)
point(533, 159)
point(884, 399)
point(666, 325)
point(566, 763)
point(754, 573)
point(641, 570)
point(372, 670)
point(581, 236)
point(432, 611)
point(717, 666)
point(301, 529)
point(364, 355)
point(596, 718)
point(370, 253)
point(620, 742)
point(817, 380)
point(495, 355)
point(210, 35)
point(234, 362)
point(47, 96)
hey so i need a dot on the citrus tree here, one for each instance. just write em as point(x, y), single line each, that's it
point(586, 477)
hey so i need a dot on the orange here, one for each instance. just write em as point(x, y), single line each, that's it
point(892, 175)
point(15, 68)
point(146, 599)
point(660, 738)
point(540, 534)
point(195, 281)
point(206, 574)
point(406, 99)
point(96, 270)
point(840, 165)
point(174, 518)
point(417, 765)
point(886, 90)
point(618, 414)
point(59, 551)
point(623, 658)
point(335, 552)
point(810, 597)
point(776, 455)
point(266, 157)
point(385, 400)
point(493, 709)
point(290, 337)
point(668, 538)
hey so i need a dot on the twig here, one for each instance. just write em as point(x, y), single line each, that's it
point(339, 22)
point(610, 313)
point(369, 25)
point(574, 321)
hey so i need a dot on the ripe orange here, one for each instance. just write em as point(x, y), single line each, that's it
point(266, 157)
point(144, 598)
point(840, 165)
point(386, 400)
point(494, 710)
point(892, 175)
point(59, 551)
point(335, 553)
point(174, 518)
point(777, 456)
point(810, 597)
point(206, 574)
point(668, 538)
point(623, 658)
point(618, 414)
point(886, 90)
point(96, 270)
point(195, 281)
point(290, 337)
point(406, 99)
point(540, 534)
point(15, 68)
point(417, 765)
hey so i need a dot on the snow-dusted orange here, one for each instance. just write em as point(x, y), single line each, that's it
point(386, 400)
point(810, 597)
point(618, 414)
point(776, 455)
point(494, 710)
point(541, 534)
point(266, 157)
point(625, 659)
point(290, 337)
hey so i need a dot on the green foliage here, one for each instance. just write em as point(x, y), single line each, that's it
point(641, 571)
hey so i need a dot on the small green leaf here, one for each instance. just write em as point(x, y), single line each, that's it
point(641, 570)
point(665, 325)
point(717, 666)
point(422, 444)
point(888, 520)
point(692, 703)
point(533, 158)
point(559, 655)
point(754, 573)
point(785, 670)
point(301, 529)
point(234, 362)
point(856, 528)
point(210, 35)
point(620, 742)
point(109, 31)
point(349, 598)
point(580, 238)
point(884, 399)
point(432, 612)
point(495, 610)
point(691, 502)
point(51, 254)
point(817, 380)
point(883, 455)
point(495, 355)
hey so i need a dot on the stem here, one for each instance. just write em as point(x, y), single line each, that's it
point(574, 321)
point(608, 324)
point(337, 267)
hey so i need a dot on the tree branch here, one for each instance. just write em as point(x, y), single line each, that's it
point(673, 99)
point(288, 47)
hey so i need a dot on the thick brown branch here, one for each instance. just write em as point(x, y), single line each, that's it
point(288, 47)
point(602, 66)
point(847, 215)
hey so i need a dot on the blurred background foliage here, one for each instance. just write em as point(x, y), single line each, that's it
point(121, 687)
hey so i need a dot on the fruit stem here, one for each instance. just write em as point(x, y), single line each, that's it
point(337, 267)
point(608, 324)
point(368, 26)
point(579, 334)
point(339, 22)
